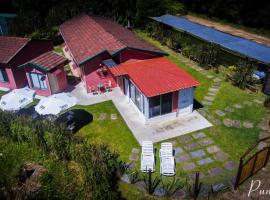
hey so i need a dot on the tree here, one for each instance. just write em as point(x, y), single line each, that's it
point(101, 171)
point(242, 73)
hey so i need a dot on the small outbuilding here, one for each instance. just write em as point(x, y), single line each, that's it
point(157, 87)
point(45, 73)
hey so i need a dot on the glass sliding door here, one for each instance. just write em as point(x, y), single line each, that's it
point(154, 106)
point(136, 97)
point(160, 105)
point(166, 103)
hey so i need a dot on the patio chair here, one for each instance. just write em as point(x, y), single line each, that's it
point(147, 163)
point(93, 90)
point(167, 166)
point(108, 86)
point(166, 149)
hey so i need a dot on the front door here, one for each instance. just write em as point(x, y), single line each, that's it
point(185, 101)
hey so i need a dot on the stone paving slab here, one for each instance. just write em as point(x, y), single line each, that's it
point(182, 157)
point(213, 90)
point(102, 116)
point(215, 171)
point(113, 116)
point(185, 139)
point(188, 166)
point(211, 94)
point(208, 103)
point(230, 165)
point(228, 122)
point(178, 150)
point(209, 98)
point(213, 149)
point(248, 124)
point(220, 113)
point(229, 109)
point(133, 157)
point(191, 146)
point(197, 154)
point(263, 126)
point(236, 123)
point(210, 76)
point(217, 80)
point(198, 135)
point(205, 161)
point(193, 176)
point(221, 156)
point(206, 142)
point(131, 165)
point(263, 134)
point(180, 194)
point(238, 106)
point(262, 145)
point(217, 121)
point(216, 85)
point(135, 150)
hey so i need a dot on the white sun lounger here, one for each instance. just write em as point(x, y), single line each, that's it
point(147, 156)
point(167, 166)
point(166, 149)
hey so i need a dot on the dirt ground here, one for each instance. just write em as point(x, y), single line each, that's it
point(230, 30)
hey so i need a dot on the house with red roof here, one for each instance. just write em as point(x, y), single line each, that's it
point(45, 73)
point(90, 40)
point(157, 87)
point(105, 52)
point(15, 51)
point(30, 62)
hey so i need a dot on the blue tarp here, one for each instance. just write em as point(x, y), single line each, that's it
point(240, 45)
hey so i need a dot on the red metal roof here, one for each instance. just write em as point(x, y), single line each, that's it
point(155, 76)
point(48, 61)
point(87, 36)
point(10, 46)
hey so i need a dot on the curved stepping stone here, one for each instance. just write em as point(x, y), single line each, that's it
point(210, 76)
point(135, 150)
point(133, 157)
point(215, 171)
point(188, 166)
point(236, 123)
point(185, 139)
point(217, 80)
point(102, 116)
point(238, 106)
point(208, 103)
point(258, 101)
point(248, 103)
point(228, 122)
point(217, 121)
point(247, 124)
point(178, 151)
point(213, 149)
point(182, 157)
point(113, 116)
point(213, 90)
point(205, 161)
point(229, 109)
point(191, 146)
point(197, 154)
point(198, 135)
point(220, 113)
point(230, 165)
point(216, 85)
point(263, 135)
point(211, 98)
point(263, 126)
point(211, 94)
point(221, 156)
point(206, 142)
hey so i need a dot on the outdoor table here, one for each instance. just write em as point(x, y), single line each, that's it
point(99, 86)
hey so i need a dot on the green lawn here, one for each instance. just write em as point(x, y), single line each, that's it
point(115, 133)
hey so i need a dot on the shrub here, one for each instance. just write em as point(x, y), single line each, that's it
point(151, 184)
point(170, 188)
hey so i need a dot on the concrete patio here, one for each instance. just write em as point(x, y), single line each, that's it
point(155, 131)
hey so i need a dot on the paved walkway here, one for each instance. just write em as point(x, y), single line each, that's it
point(155, 131)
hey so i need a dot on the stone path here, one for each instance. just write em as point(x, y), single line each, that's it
point(102, 116)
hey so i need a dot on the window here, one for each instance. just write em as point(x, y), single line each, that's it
point(3, 75)
point(38, 81)
point(160, 105)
